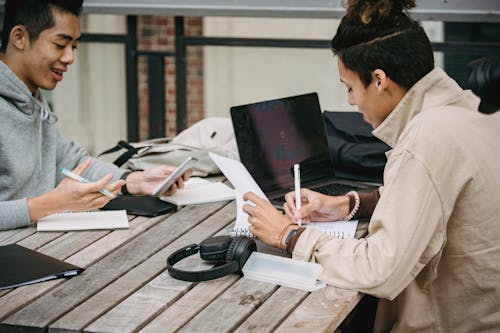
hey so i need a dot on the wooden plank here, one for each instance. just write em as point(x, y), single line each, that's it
point(37, 315)
point(113, 294)
point(19, 297)
point(73, 241)
point(15, 235)
point(189, 305)
point(322, 311)
point(274, 310)
point(39, 239)
point(231, 308)
point(117, 238)
point(140, 307)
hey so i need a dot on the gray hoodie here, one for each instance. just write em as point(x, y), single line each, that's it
point(32, 150)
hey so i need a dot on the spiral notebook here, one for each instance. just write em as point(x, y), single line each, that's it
point(92, 220)
point(339, 229)
point(243, 182)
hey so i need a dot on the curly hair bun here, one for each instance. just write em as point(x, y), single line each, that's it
point(373, 11)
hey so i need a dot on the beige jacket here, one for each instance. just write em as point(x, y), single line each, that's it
point(433, 249)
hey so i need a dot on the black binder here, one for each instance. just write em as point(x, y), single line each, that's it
point(141, 205)
point(20, 266)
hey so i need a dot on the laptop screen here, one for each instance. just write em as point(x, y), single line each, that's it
point(274, 135)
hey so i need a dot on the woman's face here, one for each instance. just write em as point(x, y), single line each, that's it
point(377, 100)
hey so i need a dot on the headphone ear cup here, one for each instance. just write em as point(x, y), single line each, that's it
point(215, 249)
point(240, 249)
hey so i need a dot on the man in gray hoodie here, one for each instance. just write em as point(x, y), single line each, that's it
point(38, 43)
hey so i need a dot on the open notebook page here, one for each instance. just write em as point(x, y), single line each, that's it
point(198, 191)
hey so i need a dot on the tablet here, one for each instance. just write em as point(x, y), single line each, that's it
point(172, 178)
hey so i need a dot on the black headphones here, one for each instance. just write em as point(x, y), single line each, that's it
point(229, 254)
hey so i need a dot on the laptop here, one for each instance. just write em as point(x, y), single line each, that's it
point(273, 135)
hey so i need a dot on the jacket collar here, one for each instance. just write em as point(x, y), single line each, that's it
point(434, 90)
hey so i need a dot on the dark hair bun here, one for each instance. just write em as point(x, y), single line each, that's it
point(376, 11)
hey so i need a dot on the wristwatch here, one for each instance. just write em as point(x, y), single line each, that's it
point(290, 235)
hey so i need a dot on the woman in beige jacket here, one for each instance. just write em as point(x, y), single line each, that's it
point(432, 252)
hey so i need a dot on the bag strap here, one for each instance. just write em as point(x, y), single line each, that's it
point(130, 151)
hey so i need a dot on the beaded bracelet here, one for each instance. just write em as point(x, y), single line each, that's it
point(356, 205)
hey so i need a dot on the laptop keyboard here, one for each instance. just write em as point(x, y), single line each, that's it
point(335, 189)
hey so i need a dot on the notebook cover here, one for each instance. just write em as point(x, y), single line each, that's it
point(21, 266)
point(141, 205)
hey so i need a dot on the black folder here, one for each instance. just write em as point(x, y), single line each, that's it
point(141, 205)
point(20, 266)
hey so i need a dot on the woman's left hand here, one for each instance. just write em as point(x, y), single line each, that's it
point(266, 222)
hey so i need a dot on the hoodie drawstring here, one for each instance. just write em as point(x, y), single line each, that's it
point(50, 118)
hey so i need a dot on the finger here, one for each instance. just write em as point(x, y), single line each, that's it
point(115, 187)
point(250, 196)
point(171, 190)
point(100, 202)
point(98, 185)
point(104, 180)
point(180, 183)
point(290, 201)
point(80, 168)
point(186, 175)
point(287, 210)
point(249, 209)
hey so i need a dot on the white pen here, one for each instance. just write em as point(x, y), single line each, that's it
point(296, 175)
point(80, 179)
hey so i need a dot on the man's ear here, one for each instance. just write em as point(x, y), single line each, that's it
point(381, 79)
point(19, 37)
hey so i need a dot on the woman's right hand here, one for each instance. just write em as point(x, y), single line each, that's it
point(316, 207)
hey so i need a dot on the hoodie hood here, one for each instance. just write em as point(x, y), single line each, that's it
point(13, 89)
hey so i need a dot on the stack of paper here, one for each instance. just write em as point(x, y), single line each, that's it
point(199, 190)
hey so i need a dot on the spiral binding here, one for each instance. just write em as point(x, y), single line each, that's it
point(338, 234)
point(69, 212)
point(240, 232)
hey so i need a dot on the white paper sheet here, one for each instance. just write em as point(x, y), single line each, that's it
point(243, 182)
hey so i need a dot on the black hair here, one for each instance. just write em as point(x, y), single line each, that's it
point(35, 15)
point(379, 34)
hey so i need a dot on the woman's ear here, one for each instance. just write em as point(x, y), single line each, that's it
point(19, 37)
point(381, 79)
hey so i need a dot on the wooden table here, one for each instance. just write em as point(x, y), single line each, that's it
point(126, 288)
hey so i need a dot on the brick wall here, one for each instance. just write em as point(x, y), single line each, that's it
point(157, 33)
